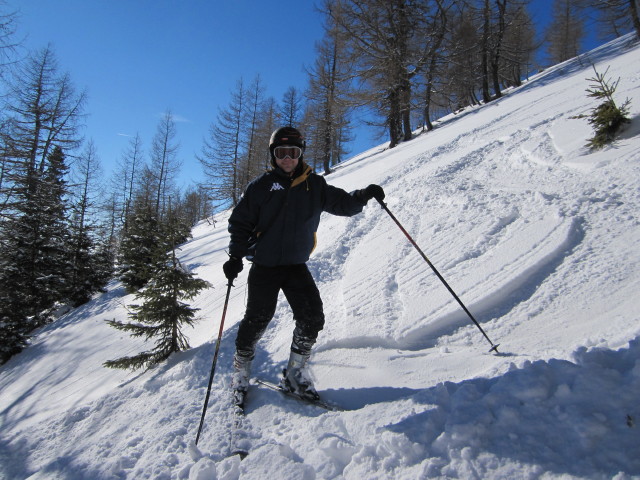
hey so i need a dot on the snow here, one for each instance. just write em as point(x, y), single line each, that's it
point(538, 236)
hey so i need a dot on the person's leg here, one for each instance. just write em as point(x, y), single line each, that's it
point(263, 288)
point(303, 296)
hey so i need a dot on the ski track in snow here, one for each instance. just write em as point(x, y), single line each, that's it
point(537, 236)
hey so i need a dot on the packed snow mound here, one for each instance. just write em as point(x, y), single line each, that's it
point(537, 235)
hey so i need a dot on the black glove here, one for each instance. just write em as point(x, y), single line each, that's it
point(232, 268)
point(372, 191)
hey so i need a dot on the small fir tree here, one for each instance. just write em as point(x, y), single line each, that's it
point(606, 118)
point(141, 250)
point(161, 315)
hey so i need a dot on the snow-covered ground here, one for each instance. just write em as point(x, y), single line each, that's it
point(539, 237)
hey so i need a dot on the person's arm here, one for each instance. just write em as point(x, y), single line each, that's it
point(242, 222)
point(241, 226)
point(339, 202)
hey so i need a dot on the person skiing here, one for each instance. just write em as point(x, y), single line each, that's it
point(274, 226)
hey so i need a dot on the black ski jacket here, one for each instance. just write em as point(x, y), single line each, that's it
point(276, 220)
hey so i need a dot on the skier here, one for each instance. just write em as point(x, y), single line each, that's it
point(274, 226)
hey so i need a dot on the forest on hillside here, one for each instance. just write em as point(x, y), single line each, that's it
point(65, 231)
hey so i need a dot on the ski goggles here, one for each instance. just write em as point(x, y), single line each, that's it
point(285, 151)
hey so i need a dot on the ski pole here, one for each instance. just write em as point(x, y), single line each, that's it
point(494, 348)
point(215, 359)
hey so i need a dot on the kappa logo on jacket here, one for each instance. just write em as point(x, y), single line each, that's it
point(276, 186)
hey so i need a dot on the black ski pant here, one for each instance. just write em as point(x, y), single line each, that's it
point(299, 288)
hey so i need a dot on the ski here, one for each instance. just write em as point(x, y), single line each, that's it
point(317, 403)
point(239, 444)
point(240, 431)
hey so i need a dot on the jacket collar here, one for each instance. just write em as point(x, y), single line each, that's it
point(306, 171)
point(300, 174)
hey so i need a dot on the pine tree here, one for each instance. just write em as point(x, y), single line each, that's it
point(164, 162)
point(37, 243)
point(42, 114)
point(616, 17)
point(254, 145)
point(607, 118)
point(141, 248)
point(35, 263)
point(462, 64)
point(103, 263)
point(222, 152)
point(387, 48)
point(291, 107)
point(328, 104)
point(14, 328)
point(89, 270)
point(161, 315)
point(55, 264)
point(124, 181)
point(565, 32)
point(93, 267)
point(8, 42)
point(519, 48)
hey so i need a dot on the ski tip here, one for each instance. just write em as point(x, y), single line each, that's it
point(241, 453)
point(238, 410)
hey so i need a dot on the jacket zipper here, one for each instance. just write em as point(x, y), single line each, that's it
point(285, 207)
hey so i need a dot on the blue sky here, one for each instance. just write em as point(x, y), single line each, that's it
point(140, 58)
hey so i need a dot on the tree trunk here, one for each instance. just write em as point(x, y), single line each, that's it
point(405, 98)
point(633, 10)
point(486, 96)
point(394, 119)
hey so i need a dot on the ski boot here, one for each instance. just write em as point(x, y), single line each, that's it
point(240, 379)
point(295, 378)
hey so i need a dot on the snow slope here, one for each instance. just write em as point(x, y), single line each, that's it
point(538, 236)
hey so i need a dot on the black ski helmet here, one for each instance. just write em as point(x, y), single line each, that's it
point(286, 136)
